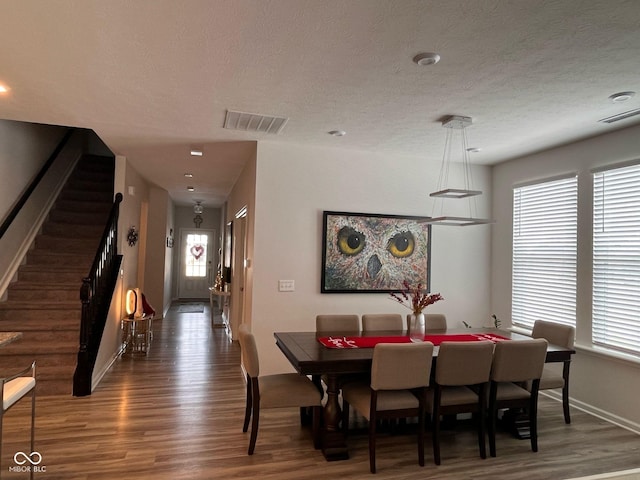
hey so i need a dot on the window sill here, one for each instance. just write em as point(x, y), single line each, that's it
point(600, 352)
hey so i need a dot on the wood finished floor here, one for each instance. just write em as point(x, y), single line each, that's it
point(177, 414)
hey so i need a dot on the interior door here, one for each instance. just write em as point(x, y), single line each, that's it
point(196, 263)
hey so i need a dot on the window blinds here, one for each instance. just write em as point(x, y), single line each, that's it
point(544, 252)
point(616, 259)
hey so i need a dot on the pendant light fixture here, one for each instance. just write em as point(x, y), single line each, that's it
point(456, 144)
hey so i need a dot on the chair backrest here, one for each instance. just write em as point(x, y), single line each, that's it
point(398, 366)
point(555, 333)
point(518, 360)
point(337, 323)
point(249, 351)
point(432, 321)
point(464, 363)
point(381, 321)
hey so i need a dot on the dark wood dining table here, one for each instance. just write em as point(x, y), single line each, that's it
point(309, 357)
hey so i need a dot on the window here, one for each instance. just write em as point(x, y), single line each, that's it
point(544, 252)
point(196, 255)
point(616, 259)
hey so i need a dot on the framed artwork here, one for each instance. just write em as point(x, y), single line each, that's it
point(372, 253)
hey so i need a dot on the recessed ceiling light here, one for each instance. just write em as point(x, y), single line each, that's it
point(337, 133)
point(474, 149)
point(188, 175)
point(196, 152)
point(3, 89)
point(621, 96)
point(426, 58)
point(191, 189)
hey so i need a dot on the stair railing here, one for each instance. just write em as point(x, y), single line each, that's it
point(95, 294)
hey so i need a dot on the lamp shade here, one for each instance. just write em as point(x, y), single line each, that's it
point(131, 302)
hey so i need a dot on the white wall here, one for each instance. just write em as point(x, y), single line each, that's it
point(296, 183)
point(600, 383)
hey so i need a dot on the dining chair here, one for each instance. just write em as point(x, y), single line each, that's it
point(381, 321)
point(432, 321)
point(337, 323)
point(514, 364)
point(397, 389)
point(274, 391)
point(14, 388)
point(563, 336)
point(460, 386)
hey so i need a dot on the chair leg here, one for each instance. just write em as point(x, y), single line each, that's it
point(247, 410)
point(565, 392)
point(254, 425)
point(316, 412)
point(533, 422)
point(482, 422)
point(421, 435)
point(435, 425)
point(493, 413)
point(372, 442)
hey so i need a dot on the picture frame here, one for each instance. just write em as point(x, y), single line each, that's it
point(374, 253)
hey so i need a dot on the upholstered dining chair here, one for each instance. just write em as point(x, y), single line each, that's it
point(563, 336)
point(394, 391)
point(460, 386)
point(514, 364)
point(432, 322)
point(337, 323)
point(274, 391)
point(381, 321)
point(14, 388)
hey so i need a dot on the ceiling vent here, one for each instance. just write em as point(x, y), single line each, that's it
point(254, 122)
point(620, 116)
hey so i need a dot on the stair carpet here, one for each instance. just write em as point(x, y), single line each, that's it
point(44, 301)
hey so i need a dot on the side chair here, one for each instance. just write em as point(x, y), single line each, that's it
point(514, 364)
point(460, 386)
point(274, 391)
point(14, 388)
point(563, 336)
point(381, 321)
point(397, 389)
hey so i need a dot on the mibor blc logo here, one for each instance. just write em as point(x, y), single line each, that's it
point(28, 462)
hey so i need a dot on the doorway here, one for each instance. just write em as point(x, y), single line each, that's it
point(196, 263)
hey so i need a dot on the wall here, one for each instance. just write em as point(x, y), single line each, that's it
point(296, 183)
point(600, 383)
point(135, 194)
point(24, 148)
point(158, 262)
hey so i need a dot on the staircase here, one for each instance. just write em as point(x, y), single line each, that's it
point(44, 303)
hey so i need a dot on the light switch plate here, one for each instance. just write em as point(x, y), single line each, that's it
point(286, 285)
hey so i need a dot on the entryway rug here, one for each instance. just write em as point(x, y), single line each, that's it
point(191, 308)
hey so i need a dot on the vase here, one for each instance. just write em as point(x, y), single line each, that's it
point(416, 327)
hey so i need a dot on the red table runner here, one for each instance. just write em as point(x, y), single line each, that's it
point(370, 342)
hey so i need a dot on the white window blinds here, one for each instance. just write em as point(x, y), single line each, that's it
point(616, 259)
point(544, 252)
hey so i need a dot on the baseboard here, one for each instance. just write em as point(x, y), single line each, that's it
point(97, 378)
point(596, 412)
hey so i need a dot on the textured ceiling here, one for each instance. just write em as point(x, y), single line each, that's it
point(153, 77)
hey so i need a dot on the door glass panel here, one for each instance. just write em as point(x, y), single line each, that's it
point(195, 255)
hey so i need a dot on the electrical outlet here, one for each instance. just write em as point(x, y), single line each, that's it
point(286, 285)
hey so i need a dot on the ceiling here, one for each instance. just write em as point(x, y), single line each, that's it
point(155, 77)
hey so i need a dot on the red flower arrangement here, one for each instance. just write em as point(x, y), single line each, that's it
point(415, 298)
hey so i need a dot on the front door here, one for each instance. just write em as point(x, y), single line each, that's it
point(196, 263)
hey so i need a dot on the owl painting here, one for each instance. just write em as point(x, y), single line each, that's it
point(366, 252)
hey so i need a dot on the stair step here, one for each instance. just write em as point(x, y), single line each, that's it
point(22, 316)
point(80, 218)
point(51, 292)
point(65, 230)
point(72, 244)
point(48, 257)
point(74, 206)
point(89, 185)
point(37, 274)
point(41, 342)
point(83, 195)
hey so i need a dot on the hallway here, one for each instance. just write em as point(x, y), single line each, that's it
point(177, 413)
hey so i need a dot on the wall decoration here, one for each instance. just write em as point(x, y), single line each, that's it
point(132, 236)
point(371, 253)
point(170, 238)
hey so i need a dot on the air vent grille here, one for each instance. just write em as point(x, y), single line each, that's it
point(620, 116)
point(254, 122)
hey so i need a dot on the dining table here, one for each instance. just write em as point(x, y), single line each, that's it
point(345, 353)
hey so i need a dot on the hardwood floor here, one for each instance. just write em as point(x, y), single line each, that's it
point(177, 414)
